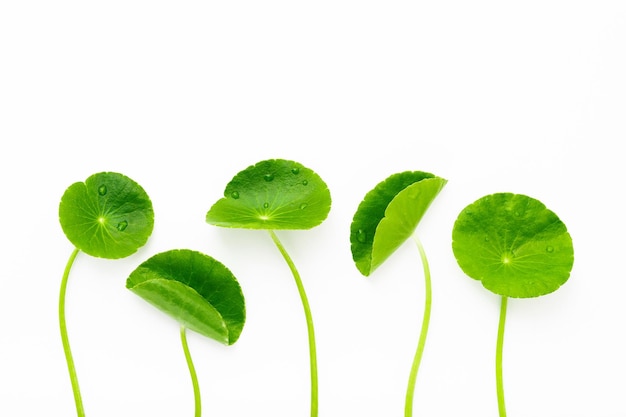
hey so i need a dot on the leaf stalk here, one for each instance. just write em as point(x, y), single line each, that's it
point(65, 338)
point(309, 323)
point(499, 348)
point(410, 392)
point(192, 372)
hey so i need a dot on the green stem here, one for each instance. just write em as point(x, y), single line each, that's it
point(65, 339)
point(192, 371)
point(408, 407)
point(499, 346)
point(309, 322)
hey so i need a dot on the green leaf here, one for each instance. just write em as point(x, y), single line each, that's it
point(272, 194)
point(514, 245)
point(107, 216)
point(389, 214)
point(195, 289)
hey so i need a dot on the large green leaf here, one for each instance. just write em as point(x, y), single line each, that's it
point(389, 214)
point(108, 216)
point(195, 289)
point(272, 194)
point(514, 245)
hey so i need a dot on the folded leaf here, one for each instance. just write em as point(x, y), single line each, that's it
point(194, 289)
point(389, 214)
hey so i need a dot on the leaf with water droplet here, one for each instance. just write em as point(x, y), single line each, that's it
point(278, 183)
point(195, 289)
point(529, 251)
point(389, 214)
point(107, 216)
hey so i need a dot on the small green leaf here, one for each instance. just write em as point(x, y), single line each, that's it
point(514, 245)
point(195, 289)
point(107, 216)
point(389, 214)
point(272, 194)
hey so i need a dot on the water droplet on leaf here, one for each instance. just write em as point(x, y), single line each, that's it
point(121, 226)
point(549, 249)
point(102, 190)
point(234, 195)
point(266, 205)
point(303, 206)
point(295, 171)
point(360, 236)
point(268, 177)
point(305, 182)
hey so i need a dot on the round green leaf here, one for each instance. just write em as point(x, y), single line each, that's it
point(272, 194)
point(388, 215)
point(195, 289)
point(514, 245)
point(107, 216)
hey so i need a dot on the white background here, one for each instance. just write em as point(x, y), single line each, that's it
point(527, 97)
